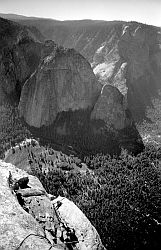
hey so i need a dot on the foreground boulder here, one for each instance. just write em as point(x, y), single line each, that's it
point(29, 220)
point(74, 218)
point(16, 224)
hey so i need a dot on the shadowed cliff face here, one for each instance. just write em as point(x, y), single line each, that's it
point(19, 57)
point(140, 47)
point(111, 108)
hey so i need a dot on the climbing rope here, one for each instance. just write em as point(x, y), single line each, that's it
point(38, 235)
point(42, 237)
point(58, 214)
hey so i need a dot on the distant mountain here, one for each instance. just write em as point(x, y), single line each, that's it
point(15, 16)
point(126, 55)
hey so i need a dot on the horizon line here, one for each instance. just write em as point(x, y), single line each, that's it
point(88, 19)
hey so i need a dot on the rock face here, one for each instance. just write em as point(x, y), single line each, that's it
point(111, 107)
point(19, 57)
point(57, 91)
point(74, 217)
point(29, 219)
point(63, 100)
point(16, 65)
point(127, 55)
point(139, 46)
point(63, 82)
point(16, 223)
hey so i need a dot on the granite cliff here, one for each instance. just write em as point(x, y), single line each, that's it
point(57, 93)
point(64, 101)
point(19, 57)
point(63, 81)
point(127, 55)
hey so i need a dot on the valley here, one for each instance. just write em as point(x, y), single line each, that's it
point(80, 128)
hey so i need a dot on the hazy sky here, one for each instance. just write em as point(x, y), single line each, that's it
point(146, 11)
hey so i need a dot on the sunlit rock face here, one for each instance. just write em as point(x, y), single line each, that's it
point(131, 61)
point(64, 81)
point(31, 218)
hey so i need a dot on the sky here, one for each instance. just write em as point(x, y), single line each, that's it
point(145, 11)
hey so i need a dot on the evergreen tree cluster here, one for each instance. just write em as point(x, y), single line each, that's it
point(12, 130)
point(121, 196)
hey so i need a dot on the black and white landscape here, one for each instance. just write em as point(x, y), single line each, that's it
point(80, 125)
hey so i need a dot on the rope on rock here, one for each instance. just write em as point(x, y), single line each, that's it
point(38, 235)
point(42, 237)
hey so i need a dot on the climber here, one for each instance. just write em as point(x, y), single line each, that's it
point(59, 203)
point(71, 239)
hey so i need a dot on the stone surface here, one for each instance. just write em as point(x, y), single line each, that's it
point(87, 235)
point(126, 55)
point(111, 107)
point(63, 98)
point(19, 57)
point(63, 82)
point(32, 219)
point(16, 224)
point(139, 46)
point(58, 90)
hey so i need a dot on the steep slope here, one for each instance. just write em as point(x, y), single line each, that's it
point(17, 226)
point(126, 55)
point(62, 102)
point(63, 82)
point(19, 57)
point(58, 90)
point(140, 47)
point(31, 219)
point(111, 108)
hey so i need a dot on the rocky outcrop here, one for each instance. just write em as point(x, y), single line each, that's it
point(111, 107)
point(16, 65)
point(63, 82)
point(139, 46)
point(73, 216)
point(32, 219)
point(18, 228)
point(129, 59)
